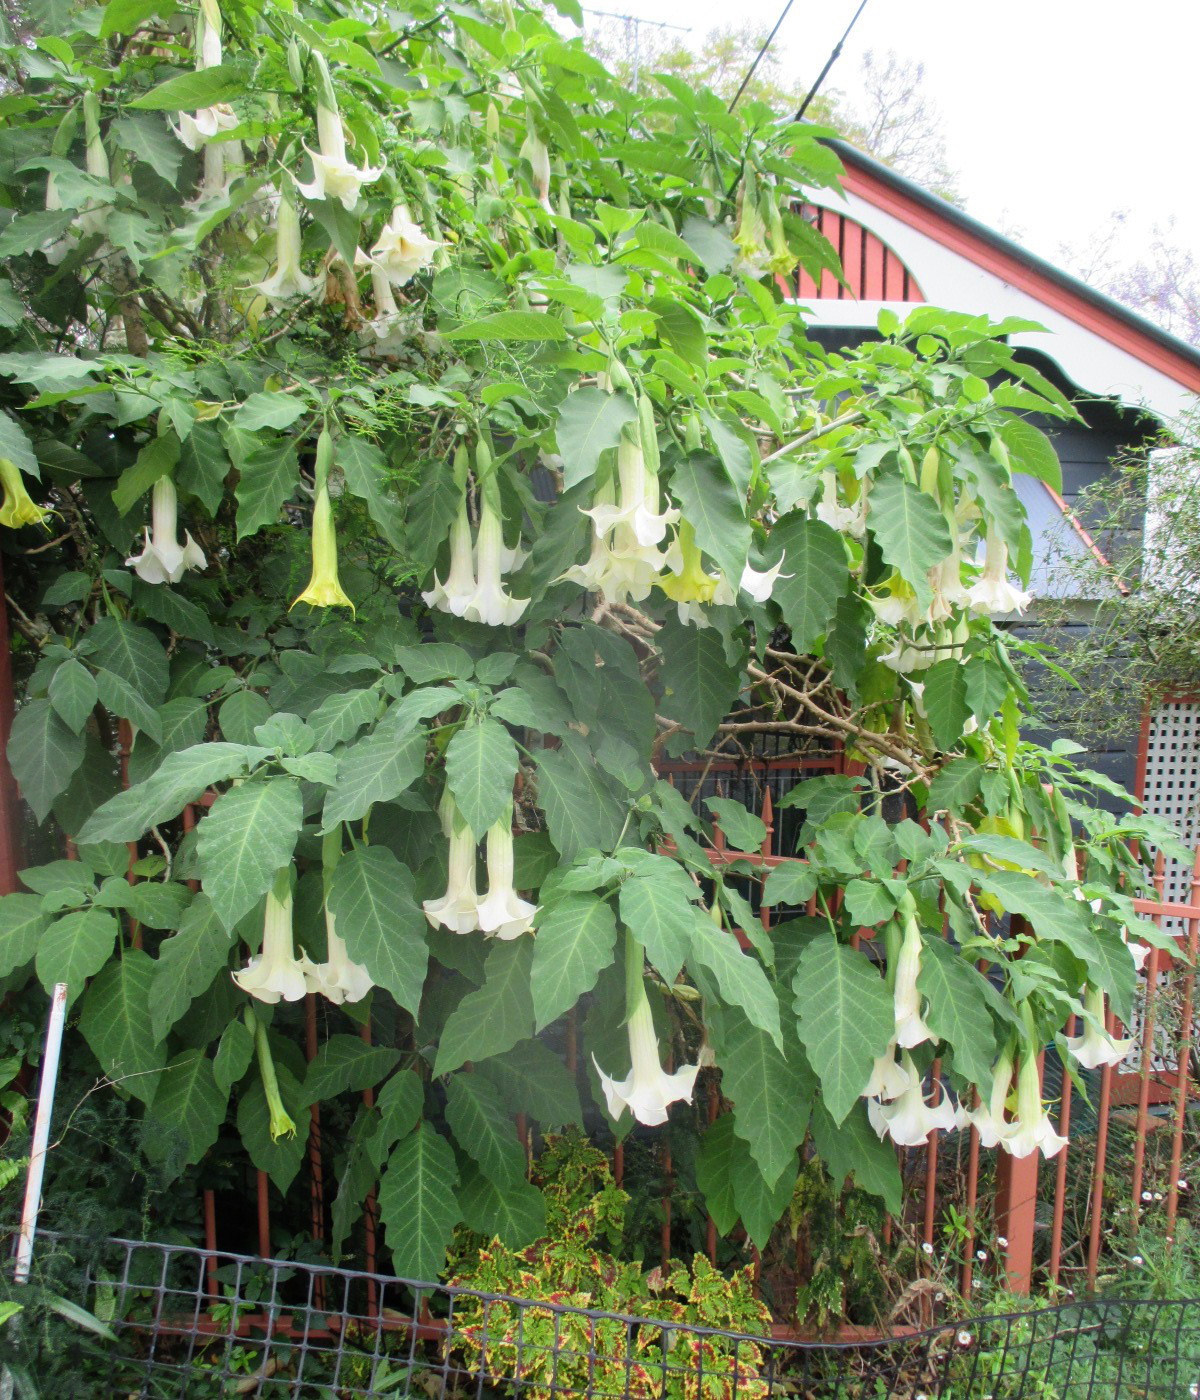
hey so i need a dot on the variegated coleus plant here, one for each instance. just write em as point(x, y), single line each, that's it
point(483, 466)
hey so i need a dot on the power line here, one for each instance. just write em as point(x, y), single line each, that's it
point(829, 62)
point(759, 55)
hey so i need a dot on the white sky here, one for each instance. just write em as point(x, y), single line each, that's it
point(1056, 113)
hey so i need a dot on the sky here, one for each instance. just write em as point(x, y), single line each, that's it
point(1055, 113)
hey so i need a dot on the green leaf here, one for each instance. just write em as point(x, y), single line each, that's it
point(418, 1205)
point(149, 139)
point(945, 701)
point(187, 964)
point(742, 829)
point(534, 1080)
point(483, 1128)
point(481, 763)
point(268, 410)
point(182, 778)
point(1007, 849)
point(699, 684)
point(343, 1063)
point(247, 837)
point(22, 924)
point(662, 920)
point(375, 911)
point(118, 696)
point(43, 753)
point(957, 1009)
point(241, 714)
point(267, 478)
point(1032, 452)
point(846, 1019)
point(740, 978)
point(357, 1172)
point(494, 1017)
point(375, 769)
point(581, 810)
point(75, 947)
point(133, 654)
point(434, 661)
point(713, 508)
point(719, 1153)
point(188, 91)
point(711, 241)
point(793, 884)
point(15, 444)
point(154, 903)
point(368, 477)
point(910, 530)
point(514, 1214)
point(761, 1204)
point(73, 693)
point(510, 327)
point(155, 460)
point(399, 1104)
point(814, 558)
point(173, 610)
point(115, 1021)
point(187, 1111)
point(679, 325)
point(852, 1148)
point(771, 1091)
point(233, 1056)
point(870, 902)
point(589, 424)
point(574, 943)
point(280, 1160)
point(955, 785)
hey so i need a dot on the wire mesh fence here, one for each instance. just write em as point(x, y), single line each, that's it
point(193, 1323)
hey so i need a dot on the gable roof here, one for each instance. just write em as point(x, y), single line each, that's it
point(876, 185)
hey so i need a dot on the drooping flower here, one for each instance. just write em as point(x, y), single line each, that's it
point(94, 219)
point(333, 175)
point(760, 583)
point(502, 912)
point(281, 1124)
point(1032, 1129)
point(197, 128)
point(647, 1090)
point(536, 152)
point(458, 908)
point(752, 258)
point(457, 592)
point(403, 248)
point(911, 1030)
point(324, 588)
point(288, 281)
point(889, 1077)
point(54, 249)
point(993, 595)
point(338, 978)
point(1139, 952)
point(490, 603)
point(1097, 1046)
point(949, 591)
point(988, 1118)
point(908, 1119)
point(18, 507)
point(163, 559)
point(275, 972)
point(896, 604)
point(637, 502)
point(847, 520)
point(687, 583)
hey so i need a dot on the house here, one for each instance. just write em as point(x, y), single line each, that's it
point(900, 245)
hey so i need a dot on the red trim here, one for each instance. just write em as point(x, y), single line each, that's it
point(1012, 270)
point(1081, 530)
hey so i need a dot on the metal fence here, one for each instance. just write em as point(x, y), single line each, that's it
point(289, 1329)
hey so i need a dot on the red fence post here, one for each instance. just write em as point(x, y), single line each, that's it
point(1016, 1213)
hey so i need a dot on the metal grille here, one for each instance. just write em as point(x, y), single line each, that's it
point(1171, 785)
point(290, 1329)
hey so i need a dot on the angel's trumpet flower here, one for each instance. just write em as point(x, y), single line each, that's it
point(276, 973)
point(333, 175)
point(324, 587)
point(163, 559)
point(18, 507)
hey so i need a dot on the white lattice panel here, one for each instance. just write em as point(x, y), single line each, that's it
point(1171, 781)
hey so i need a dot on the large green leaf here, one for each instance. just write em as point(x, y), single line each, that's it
point(247, 837)
point(575, 941)
point(853, 1148)
point(187, 964)
point(43, 753)
point(418, 1205)
point(911, 532)
point(267, 477)
point(534, 1080)
point(662, 918)
point(375, 911)
point(699, 684)
point(346, 1062)
point(234, 1053)
point(761, 1204)
point(115, 1021)
point(483, 1128)
point(713, 508)
point(188, 91)
point(589, 423)
point(22, 924)
point(375, 769)
point(73, 693)
point(510, 327)
point(955, 785)
point(715, 1162)
point(367, 477)
point(740, 977)
point(515, 1213)
point(182, 778)
point(75, 947)
point(494, 1017)
point(958, 1011)
point(945, 701)
point(581, 809)
point(846, 1019)
point(186, 1113)
point(481, 763)
point(813, 578)
point(133, 654)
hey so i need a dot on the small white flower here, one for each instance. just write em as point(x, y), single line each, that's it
point(1001, 1241)
point(926, 1248)
point(503, 913)
point(981, 1255)
point(163, 559)
point(1146, 1196)
point(1183, 1186)
point(964, 1339)
point(648, 1090)
point(1137, 1260)
point(275, 972)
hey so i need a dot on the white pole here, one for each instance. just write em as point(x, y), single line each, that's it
point(41, 1133)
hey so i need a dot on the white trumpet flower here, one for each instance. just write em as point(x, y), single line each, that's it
point(1097, 1046)
point(163, 559)
point(637, 505)
point(908, 1119)
point(338, 978)
point(403, 249)
point(503, 913)
point(276, 973)
point(333, 175)
point(889, 1078)
point(1031, 1129)
point(458, 908)
point(846, 520)
point(911, 1030)
point(647, 1090)
point(457, 592)
point(197, 129)
point(489, 603)
point(988, 1119)
point(993, 595)
point(288, 280)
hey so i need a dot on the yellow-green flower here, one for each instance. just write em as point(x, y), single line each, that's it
point(282, 1124)
point(18, 507)
point(324, 589)
point(688, 582)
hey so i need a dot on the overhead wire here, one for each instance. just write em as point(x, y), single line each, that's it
point(829, 62)
point(758, 57)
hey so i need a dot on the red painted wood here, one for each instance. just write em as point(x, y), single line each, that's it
point(872, 282)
